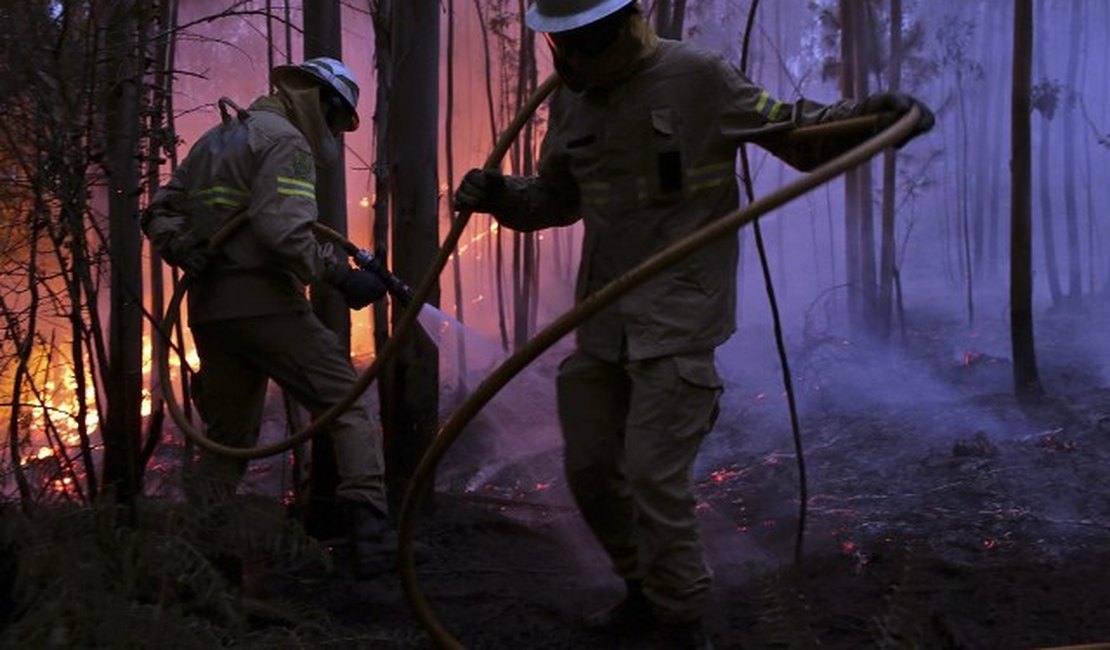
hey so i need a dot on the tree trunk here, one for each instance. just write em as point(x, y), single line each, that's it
point(890, 183)
point(1071, 121)
point(1044, 167)
point(852, 266)
point(862, 21)
point(449, 167)
point(413, 120)
point(524, 243)
point(670, 18)
point(123, 422)
point(382, 14)
point(323, 37)
point(1027, 383)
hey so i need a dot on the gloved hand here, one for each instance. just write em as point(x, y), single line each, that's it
point(480, 191)
point(360, 287)
point(898, 104)
point(190, 253)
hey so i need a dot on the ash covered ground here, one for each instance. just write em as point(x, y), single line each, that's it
point(941, 513)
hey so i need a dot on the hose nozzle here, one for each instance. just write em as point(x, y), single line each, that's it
point(393, 284)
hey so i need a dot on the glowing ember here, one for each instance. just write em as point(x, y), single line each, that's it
point(990, 544)
point(721, 475)
point(848, 547)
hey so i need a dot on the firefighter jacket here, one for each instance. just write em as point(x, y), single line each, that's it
point(644, 162)
point(260, 164)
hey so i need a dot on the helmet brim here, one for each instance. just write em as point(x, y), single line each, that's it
point(554, 23)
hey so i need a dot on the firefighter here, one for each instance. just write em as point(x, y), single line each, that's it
point(248, 311)
point(641, 147)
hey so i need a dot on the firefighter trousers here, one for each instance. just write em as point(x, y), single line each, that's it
point(305, 358)
point(632, 431)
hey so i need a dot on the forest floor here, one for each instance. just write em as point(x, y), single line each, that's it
point(946, 516)
point(940, 515)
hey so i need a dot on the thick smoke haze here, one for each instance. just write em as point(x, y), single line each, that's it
point(952, 199)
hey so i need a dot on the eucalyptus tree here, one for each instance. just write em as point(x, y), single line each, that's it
point(1027, 383)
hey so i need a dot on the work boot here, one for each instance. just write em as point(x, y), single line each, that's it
point(630, 617)
point(372, 541)
point(684, 636)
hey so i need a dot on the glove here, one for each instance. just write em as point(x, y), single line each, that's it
point(189, 252)
point(481, 190)
point(360, 288)
point(898, 104)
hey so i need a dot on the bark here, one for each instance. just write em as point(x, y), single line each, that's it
point(323, 37)
point(524, 244)
point(1071, 121)
point(1027, 383)
point(381, 12)
point(1044, 167)
point(890, 183)
point(413, 120)
point(863, 21)
point(853, 205)
point(123, 421)
point(670, 18)
point(449, 156)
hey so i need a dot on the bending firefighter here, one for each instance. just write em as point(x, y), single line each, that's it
point(641, 146)
point(248, 311)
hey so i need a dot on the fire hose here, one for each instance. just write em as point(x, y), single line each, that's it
point(726, 226)
point(414, 496)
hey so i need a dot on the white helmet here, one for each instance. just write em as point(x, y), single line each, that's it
point(331, 73)
point(555, 16)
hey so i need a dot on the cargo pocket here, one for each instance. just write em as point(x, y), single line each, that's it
point(699, 372)
point(667, 180)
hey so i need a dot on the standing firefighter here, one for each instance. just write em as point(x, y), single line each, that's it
point(642, 147)
point(248, 311)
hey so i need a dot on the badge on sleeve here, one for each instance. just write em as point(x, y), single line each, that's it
point(303, 165)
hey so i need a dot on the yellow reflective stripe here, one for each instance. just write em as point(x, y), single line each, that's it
point(717, 182)
point(296, 187)
point(289, 192)
point(715, 175)
point(764, 97)
point(727, 165)
point(219, 200)
point(594, 192)
point(766, 106)
point(296, 182)
point(223, 189)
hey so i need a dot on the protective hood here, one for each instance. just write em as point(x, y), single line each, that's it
point(298, 100)
point(621, 60)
